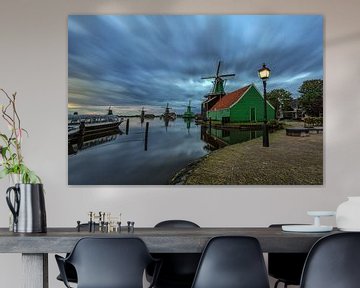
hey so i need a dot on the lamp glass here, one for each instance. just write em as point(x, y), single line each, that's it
point(264, 73)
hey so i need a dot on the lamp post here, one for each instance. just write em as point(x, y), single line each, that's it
point(264, 74)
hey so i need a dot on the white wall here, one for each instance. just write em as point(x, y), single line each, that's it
point(33, 62)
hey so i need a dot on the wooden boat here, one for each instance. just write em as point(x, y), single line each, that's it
point(87, 124)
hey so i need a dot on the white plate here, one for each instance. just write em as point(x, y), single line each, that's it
point(321, 213)
point(306, 228)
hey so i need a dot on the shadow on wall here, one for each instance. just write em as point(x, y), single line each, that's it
point(344, 39)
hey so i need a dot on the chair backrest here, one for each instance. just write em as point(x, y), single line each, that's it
point(176, 224)
point(333, 262)
point(232, 262)
point(178, 269)
point(110, 262)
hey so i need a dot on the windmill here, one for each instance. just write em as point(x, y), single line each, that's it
point(217, 91)
point(167, 115)
point(188, 113)
point(142, 115)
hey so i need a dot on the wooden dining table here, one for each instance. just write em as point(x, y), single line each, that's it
point(35, 247)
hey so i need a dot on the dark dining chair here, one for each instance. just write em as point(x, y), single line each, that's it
point(70, 271)
point(333, 262)
point(178, 269)
point(108, 263)
point(286, 267)
point(232, 262)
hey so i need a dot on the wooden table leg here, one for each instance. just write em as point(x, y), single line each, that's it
point(35, 270)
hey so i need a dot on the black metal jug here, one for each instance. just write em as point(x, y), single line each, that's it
point(28, 208)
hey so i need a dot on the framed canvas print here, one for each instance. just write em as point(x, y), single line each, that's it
point(195, 100)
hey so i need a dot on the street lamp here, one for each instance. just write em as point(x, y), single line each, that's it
point(264, 74)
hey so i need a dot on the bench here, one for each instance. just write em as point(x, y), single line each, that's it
point(299, 132)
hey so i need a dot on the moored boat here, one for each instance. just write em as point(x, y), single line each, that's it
point(88, 124)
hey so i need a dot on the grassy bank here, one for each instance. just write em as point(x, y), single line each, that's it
point(288, 161)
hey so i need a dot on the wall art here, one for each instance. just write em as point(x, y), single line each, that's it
point(195, 100)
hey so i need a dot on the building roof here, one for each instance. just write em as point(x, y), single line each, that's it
point(231, 98)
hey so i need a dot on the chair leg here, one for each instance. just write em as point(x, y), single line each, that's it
point(279, 281)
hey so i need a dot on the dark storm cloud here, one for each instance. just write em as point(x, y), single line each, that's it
point(152, 60)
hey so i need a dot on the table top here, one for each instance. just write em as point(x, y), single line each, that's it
point(158, 240)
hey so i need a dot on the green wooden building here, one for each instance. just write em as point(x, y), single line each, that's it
point(243, 105)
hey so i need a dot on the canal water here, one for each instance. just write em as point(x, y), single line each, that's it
point(117, 158)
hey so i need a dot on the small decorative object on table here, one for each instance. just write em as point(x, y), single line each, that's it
point(102, 222)
point(27, 204)
point(348, 214)
point(316, 227)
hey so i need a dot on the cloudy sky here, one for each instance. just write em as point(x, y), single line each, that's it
point(130, 62)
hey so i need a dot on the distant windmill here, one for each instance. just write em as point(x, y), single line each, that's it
point(111, 110)
point(167, 115)
point(188, 113)
point(217, 91)
point(142, 115)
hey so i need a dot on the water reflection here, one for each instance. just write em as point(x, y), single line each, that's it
point(219, 138)
point(120, 159)
point(123, 161)
point(189, 122)
point(88, 141)
point(167, 121)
